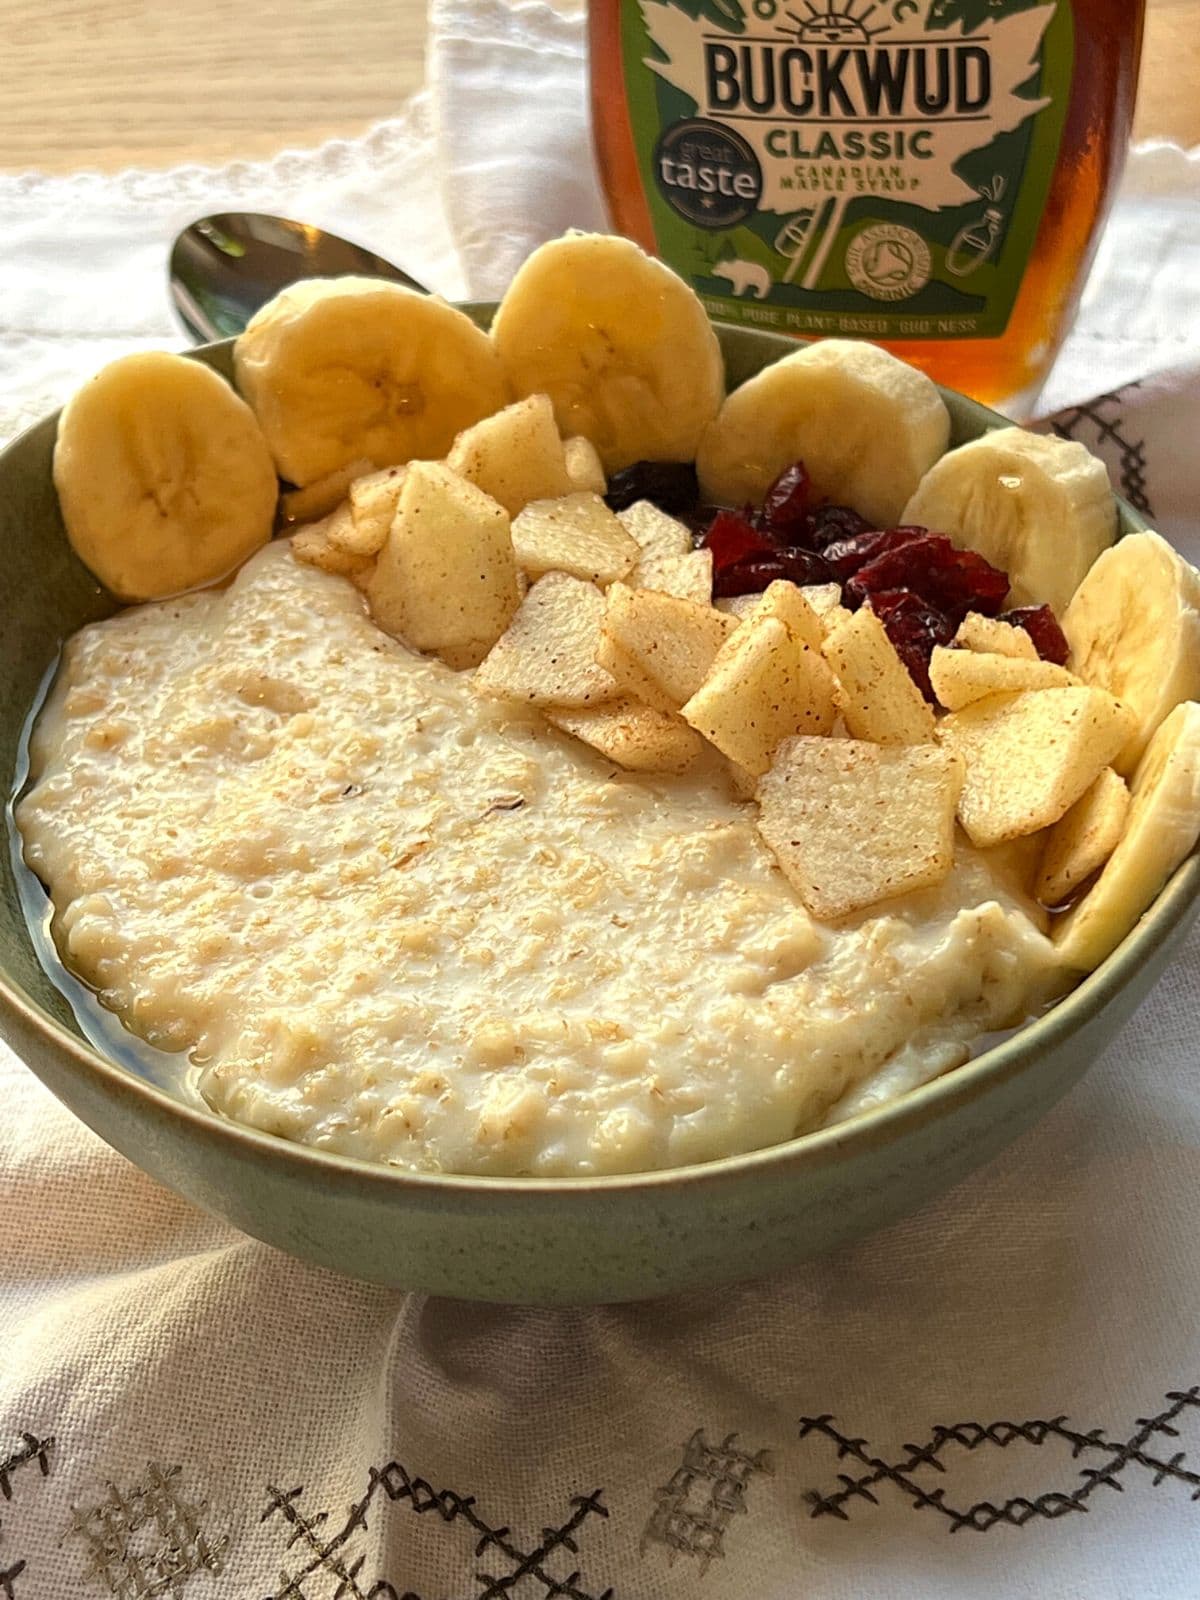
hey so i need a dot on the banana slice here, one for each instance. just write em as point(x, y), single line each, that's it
point(338, 368)
point(865, 425)
point(620, 344)
point(1163, 827)
point(1134, 629)
point(163, 476)
point(1040, 508)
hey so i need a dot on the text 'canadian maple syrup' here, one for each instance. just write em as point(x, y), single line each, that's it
point(928, 174)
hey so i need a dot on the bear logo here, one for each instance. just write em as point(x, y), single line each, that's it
point(745, 277)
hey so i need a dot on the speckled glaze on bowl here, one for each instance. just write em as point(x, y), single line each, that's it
point(512, 1239)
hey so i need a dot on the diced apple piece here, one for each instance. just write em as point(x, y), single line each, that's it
point(667, 563)
point(657, 647)
point(787, 602)
point(995, 637)
point(584, 467)
point(877, 697)
point(314, 545)
point(960, 677)
point(823, 597)
point(833, 617)
point(446, 575)
point(764, 685)
point(1014, 866)
point(323, 495)
point(633, 735)
point(656, 533)
point(740, 606)
point(373, 503)
point(853, 823)
point(1083, 840)
point(515, 456)
point(1030, 756)
point(687, 577)
point(576, 534)
point(548, 654)
point(790, 604)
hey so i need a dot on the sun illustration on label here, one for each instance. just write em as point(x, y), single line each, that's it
point(836, 25)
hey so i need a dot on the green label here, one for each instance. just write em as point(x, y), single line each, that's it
point(863, 167)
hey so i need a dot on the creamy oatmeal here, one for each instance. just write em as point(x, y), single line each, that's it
point(762, 756)
point(393, 919)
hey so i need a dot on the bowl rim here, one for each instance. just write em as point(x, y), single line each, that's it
point(1018, 1052)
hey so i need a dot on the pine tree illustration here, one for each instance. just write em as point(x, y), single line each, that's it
point(975, 14)
point(728, 14)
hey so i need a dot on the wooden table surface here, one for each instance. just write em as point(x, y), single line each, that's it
point(109, 83)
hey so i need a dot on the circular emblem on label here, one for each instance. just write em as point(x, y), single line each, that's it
point(707, 173)
point(888, 262)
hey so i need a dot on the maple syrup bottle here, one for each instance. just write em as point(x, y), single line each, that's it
point(929, 174)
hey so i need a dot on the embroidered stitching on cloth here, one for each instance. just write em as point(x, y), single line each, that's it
point(1105, 414)
point(148, 1541)
point(330, 1557)
point(704, 1493)
point(32, 1449)
point(974, 1436)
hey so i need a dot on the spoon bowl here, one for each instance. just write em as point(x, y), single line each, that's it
point(226, 267)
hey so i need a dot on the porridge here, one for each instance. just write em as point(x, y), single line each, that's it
point(403, 922)
point(535, 809)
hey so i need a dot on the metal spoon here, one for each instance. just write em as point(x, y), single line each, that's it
point(224, 268)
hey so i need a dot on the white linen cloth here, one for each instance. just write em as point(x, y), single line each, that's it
point(184, 1412)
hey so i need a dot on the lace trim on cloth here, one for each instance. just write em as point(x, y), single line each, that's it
point(487, 23)
point(65, 313)
point(195, 182)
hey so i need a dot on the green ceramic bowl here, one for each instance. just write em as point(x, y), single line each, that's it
point(519, 1239)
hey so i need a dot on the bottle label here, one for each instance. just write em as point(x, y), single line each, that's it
point(874, 168)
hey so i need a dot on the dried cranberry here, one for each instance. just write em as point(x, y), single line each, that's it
point(785, 504)
point(953, 581)
point(826, 524)
point(732, 537)
point(671, 485)
point(803, 566)
point(846, 556)
point(914, 627)
point(1041, 625)
point(751, 575)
